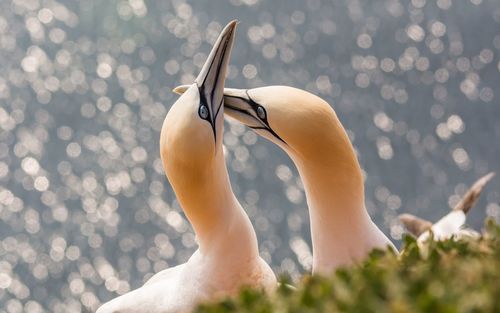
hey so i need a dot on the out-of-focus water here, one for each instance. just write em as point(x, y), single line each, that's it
point(86, 212)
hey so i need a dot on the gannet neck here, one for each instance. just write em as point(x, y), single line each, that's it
point(193, 158)
point(341, 229)
point(307, 128)
point(209, 203)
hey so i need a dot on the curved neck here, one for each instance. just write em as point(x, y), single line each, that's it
point(341, 229)
point(219, 221)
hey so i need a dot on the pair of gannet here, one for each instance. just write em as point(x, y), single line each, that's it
point(308, 130)
point(193, 158)
point(452, 224)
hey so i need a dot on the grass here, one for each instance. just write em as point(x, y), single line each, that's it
point(448, 276)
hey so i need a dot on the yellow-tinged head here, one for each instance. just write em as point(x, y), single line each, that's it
point(191, 135)
point(301, 123)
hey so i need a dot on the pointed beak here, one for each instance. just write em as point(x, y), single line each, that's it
point(211, 79)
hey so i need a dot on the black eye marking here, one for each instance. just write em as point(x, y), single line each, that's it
point(203, 111)
point(261, 112)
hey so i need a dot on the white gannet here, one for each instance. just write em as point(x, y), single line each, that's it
point(308, 130)
point(452, 224)
point(192, 154)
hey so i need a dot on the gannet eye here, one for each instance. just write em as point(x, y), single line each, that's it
point(203, 112)
point(261, 113)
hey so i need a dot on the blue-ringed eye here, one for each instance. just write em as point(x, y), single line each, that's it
point(203, 112)
point(261, 113)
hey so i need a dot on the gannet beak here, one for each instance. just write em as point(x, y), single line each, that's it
point(211, 79)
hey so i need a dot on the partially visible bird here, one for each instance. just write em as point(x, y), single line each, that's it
point(193, 158)
point(308, 130)
point(452, 224)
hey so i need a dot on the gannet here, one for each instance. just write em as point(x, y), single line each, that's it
point(308, 130)
point(452, 224)
point(193, 159)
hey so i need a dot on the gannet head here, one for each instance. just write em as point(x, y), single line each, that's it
point(297, 121)
point(191, 135)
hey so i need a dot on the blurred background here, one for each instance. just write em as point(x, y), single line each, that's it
point(86, 212)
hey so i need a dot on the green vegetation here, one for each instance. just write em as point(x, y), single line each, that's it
point(449, 276)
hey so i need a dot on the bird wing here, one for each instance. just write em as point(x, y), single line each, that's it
point(415, 225)
point(472, 195)
point(452, 223)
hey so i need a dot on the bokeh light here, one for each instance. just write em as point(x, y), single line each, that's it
point(86, 212)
